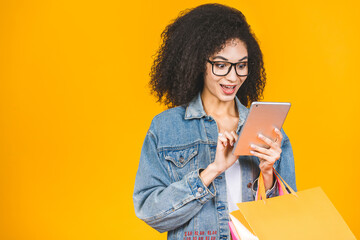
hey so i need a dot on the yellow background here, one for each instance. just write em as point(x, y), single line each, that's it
point(75, 106)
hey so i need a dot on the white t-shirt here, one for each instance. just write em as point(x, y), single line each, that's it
point(233, 186)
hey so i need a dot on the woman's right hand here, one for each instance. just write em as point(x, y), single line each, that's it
point(223, 157)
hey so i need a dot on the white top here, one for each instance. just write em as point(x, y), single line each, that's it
point(234, 194)
point(233, 186)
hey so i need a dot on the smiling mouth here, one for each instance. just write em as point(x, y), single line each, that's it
point(228, 89)
point(228, 86)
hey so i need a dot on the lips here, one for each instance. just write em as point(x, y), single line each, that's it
point(228, 89)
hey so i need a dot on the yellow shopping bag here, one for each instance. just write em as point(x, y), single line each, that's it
point(303, 215)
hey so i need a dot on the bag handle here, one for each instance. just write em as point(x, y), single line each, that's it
point(287, 185)
point(281, 186)
point(261, 194)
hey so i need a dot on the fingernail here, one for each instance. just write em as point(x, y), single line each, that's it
point(260, 135)
point(252, 152)
point(225, 144)
point(252, 146)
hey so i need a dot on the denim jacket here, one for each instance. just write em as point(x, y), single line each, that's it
point(170, 196)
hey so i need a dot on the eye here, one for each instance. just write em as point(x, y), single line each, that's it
point(220, 65)
point(241, 65)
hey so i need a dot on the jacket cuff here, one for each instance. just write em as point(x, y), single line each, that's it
point(198, 188)
point(270, 192)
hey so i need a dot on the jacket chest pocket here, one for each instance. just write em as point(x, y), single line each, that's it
point(181, 161)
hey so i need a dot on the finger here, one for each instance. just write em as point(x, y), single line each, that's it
point(273, 155)
point(234, 135)
point(261, 149)
point(279, 134)
point(230, 137)
point(268, 141)
point(263, 156)
point(223, 140)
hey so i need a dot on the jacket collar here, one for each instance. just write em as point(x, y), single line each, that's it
point(195, 109)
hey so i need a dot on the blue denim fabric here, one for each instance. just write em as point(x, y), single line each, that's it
point(169, 194)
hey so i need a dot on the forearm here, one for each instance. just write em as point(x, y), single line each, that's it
point(270, 191)
point(209, 174)
point(166, 208)
point(268, 179)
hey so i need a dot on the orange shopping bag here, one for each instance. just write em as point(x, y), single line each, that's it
point(303, 215)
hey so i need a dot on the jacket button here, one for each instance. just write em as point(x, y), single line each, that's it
point(181, 159)
point(200, 190)
point(249, 185)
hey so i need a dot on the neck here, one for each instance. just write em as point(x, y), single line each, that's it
point(215, 107)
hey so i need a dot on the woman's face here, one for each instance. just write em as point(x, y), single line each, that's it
point(224, 88)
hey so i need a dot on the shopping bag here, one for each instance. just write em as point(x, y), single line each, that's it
point(294, 215)
point(233, 232)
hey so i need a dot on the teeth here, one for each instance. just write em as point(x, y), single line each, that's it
point(229, 87)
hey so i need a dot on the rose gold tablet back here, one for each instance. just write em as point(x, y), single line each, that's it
point(263, 117)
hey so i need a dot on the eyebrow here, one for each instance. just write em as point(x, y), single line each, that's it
point(228, 59)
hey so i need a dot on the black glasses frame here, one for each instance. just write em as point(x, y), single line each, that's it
point(232, 64)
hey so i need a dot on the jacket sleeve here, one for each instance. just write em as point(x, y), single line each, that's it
point(161, 204)
point(285, 167)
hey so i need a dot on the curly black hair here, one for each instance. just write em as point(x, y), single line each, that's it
point(177, 74)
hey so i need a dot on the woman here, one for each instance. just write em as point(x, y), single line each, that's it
point(208, 69)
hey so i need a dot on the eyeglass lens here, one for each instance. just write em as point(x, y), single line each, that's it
point(223, 68)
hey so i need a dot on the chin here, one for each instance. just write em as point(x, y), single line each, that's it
point(226, 98)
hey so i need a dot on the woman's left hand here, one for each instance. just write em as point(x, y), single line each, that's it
point(268, 156)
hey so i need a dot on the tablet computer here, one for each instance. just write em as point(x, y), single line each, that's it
point(263, 117)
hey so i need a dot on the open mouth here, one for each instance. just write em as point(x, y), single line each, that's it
point(228, 86)
point(228, 89)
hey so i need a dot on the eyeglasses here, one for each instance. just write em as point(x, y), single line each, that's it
point(221, 68)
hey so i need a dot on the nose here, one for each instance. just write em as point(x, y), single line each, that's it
point(232, 76)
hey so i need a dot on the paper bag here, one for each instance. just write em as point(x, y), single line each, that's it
point(303, 215)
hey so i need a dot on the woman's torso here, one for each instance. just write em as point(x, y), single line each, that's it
point(186, 140)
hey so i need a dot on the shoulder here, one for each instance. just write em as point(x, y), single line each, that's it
point(171, 129)
point(167, 118)
point(285, 137)
point(171, 113)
